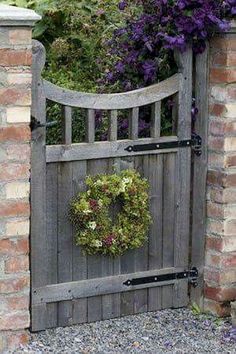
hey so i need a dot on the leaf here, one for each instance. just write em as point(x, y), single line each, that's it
point(196, 309)
point(39, 29)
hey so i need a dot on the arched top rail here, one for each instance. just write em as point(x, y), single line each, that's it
point(124, 100)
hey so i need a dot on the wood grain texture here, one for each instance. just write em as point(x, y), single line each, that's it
point(101, 150)
point(124, 100)
point(113, 126)
point(200, 174)
point(39, 259)
point(90, 126)
point(98, 286)
point(65, 238)
point(79, 259)
point(66, 125)
point(156, 120)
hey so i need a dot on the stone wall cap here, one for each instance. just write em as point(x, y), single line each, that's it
point(16, 16)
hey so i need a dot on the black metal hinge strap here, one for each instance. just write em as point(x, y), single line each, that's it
point(195, 143)
point(191, 275)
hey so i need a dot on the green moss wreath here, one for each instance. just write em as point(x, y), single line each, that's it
point(90, 213)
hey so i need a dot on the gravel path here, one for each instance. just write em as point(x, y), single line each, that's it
point(168, 331)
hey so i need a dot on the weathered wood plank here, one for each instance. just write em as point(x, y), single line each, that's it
point(182, 240)
point(95, 262)
point(199, 174)
point(65, 238)
point(156, 120)
point(155, 234)
point(124, 100)
point(101, 150)
point(39, 267)
point(168, 222)
point(133, 123)
point(141, 255)
point(113, 126)
point(127, 260)
point(52, 217)
point(98, 286)
point(66, 125)
point(79, 172)
point(90, 126)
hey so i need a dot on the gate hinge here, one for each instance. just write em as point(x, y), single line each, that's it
point(191, 275)
point(195, 143)
point(34, 124)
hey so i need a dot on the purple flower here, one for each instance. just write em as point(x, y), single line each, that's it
point(122, 5)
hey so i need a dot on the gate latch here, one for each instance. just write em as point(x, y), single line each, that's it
point(191, 275)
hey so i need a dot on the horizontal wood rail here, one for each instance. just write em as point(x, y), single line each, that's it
point(124, 100)
point(98, 286)
point(101, 150)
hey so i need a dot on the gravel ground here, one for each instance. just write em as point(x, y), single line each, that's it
point(168, 331)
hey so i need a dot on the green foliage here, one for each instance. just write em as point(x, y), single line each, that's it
point(91, 212)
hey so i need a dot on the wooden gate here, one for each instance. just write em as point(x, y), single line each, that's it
point(69, 287)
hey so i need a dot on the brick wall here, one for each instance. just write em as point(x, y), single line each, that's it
point(220, 271)
point(15, 135)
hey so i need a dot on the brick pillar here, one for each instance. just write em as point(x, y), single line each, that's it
point(220, 271)
point(15, 101)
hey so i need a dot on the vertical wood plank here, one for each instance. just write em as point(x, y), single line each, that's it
point(79, 171)
point(127, 263)
point(39, 267)
point(66, 125)
point(133, 123)
point(182, 241)
point(95, 262)
point(155, 234)
point(113, 126)
point(111, 265)
point(168, 223)
point(65, 238)
point(199, 174)
point(52, 217)
point(90, 126)
point(141, 255)
point(156, 120)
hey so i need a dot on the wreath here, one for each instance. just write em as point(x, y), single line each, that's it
point(91, 211)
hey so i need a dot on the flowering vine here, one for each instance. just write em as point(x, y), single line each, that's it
point(144, 47)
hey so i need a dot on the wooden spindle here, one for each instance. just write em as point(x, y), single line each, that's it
point(67, 125)
point(156, 120)
point(90, 126)
point(133, 123)
point(112, 132)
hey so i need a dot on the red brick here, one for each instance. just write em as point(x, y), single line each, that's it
point(224, 59)
point(231, 93)
point(221, 75)
point(231, 161)
point(216, 308)
point(223, 43)
point(15, 303)
point(215, 210)
point(222, 179)
point(13, 57)
point(224, 196)
point(17, 264)
point(14, 321)
point(19, 152)
point(216, 143)
point(14, 209)
point(217, 127)
point(8, 286)
point(14, 247)
point(15, 339)
point(220, 293)
point(13, 171)
point(15, 96)
point(20, 133)
point(217, 109)
point(214, 243)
